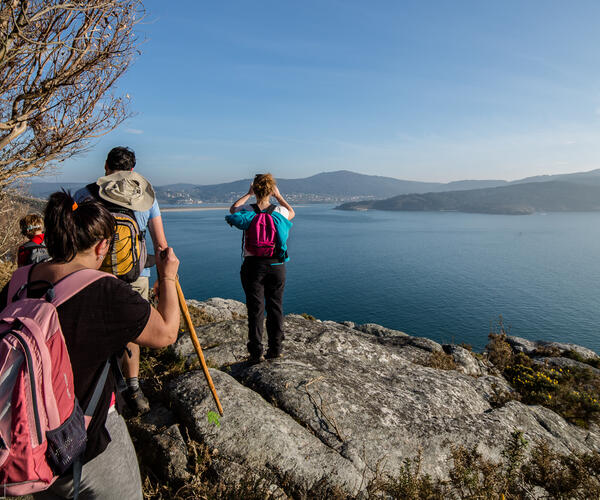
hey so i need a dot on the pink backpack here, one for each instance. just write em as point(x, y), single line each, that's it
point(260, 238)
point(42, 426)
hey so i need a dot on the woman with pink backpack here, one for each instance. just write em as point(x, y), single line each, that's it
point(266, 229)
point(64, 323)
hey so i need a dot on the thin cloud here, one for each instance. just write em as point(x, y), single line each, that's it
point(135, 131)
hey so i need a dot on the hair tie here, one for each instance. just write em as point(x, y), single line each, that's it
point(75, 206)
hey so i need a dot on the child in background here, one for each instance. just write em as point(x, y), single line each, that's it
point(34, 250)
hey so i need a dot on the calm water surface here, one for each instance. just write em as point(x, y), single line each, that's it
point(446, 276)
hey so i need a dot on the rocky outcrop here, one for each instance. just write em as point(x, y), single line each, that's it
point(217, 309)
point(540, 347)
point(347, 401)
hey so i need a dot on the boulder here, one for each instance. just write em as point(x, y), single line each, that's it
point(159, 441)
point(222, 343)
point(257, 435)
point(220, 309)
point(466, 362)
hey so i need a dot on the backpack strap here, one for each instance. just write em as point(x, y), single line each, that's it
point(74, 283)
point(270, 209)
point(19, 278)
point(31, 245)
point(89, 412)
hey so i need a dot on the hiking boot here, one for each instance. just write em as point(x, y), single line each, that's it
point(273, 355)
point(136, 401)
point(254, 360)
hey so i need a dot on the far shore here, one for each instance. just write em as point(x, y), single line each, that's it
point(197, 209)
point(192, 209)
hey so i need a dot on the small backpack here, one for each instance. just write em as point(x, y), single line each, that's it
point(128, 253)
point(42, 426)
point(34, 253)
point(260, 239)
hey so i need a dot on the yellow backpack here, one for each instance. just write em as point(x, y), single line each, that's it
point(127, 255)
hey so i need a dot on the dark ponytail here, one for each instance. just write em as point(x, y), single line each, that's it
point(72, 227)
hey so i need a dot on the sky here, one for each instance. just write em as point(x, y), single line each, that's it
point(431, 91)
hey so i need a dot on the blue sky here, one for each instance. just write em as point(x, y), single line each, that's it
point(434, 91)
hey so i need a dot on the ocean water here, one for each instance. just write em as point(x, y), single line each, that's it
point(447, 276)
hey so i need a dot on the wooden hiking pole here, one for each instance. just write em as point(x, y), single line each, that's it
point(190, 325)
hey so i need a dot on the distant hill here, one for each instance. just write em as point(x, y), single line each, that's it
point(327, 187)
point(44, 189)
point(341, 185)
point(518, 198)
point(590, 177)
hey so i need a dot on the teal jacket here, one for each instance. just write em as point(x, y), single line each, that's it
point(242, 220)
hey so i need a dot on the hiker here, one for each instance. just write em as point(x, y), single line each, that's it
point(34, 251)
point(97, 322)
point(266, 228)
point(126, 193)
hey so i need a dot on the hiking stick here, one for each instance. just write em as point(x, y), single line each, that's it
point(190, 325)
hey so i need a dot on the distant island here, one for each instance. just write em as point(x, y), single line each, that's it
point(514, 199)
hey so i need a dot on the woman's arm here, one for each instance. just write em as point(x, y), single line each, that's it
point(281, 200)
point(242, 200)
point(163, 324)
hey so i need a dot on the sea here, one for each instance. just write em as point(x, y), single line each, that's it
point(448, 276)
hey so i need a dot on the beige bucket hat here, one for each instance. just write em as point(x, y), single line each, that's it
point(127, 189)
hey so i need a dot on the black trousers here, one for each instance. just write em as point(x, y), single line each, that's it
point(263, 284)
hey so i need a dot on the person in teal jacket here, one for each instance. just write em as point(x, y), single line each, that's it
point(263, 278)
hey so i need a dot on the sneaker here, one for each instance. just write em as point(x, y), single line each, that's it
point(254, 360)
point(136, 401)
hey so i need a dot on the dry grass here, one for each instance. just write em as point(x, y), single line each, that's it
point(12, 209)
point(7, 268)
point(199, 317)
point(441, 361)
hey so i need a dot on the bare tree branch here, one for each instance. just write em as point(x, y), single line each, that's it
point(59, 60)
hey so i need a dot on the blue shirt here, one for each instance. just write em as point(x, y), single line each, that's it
point(142, 218)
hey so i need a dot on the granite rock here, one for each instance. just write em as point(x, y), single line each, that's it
point(344, 398)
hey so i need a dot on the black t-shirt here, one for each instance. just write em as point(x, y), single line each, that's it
point(97, 323)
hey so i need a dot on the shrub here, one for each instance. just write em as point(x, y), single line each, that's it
point(563, 476)
point(573, 393)
point(410, 484)
point(499, 351)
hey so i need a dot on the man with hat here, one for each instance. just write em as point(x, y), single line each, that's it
point(124, 187)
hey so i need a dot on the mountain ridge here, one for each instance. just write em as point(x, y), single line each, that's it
point(333, 186)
